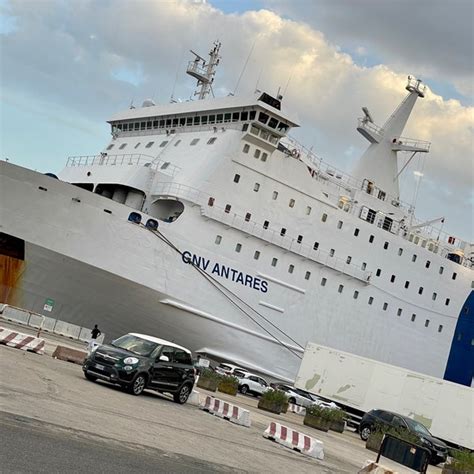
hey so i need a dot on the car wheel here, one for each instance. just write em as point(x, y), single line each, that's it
point(183, 394)
point(364, 432)
point(138, 385)
point(244, 389)
point(90, 377)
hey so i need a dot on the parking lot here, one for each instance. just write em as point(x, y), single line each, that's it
point(55, 397)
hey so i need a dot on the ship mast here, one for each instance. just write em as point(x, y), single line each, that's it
point(204, 73)
point(378, 165)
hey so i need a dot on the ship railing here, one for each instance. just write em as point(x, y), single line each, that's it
point(422, 145)
point(180, 191)
point(362, 122)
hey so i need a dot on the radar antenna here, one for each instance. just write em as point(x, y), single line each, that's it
point(204, 72)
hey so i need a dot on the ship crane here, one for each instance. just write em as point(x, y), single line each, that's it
point(424, 224)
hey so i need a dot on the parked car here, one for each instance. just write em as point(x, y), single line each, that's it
point(438, 449)
point(317, 401)
point(229, 369)
point(251, 383)
point(138, 362)
point(295, 395)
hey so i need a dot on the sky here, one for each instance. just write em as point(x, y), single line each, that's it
point(66, 66)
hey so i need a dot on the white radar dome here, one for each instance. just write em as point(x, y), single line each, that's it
point(148, 103)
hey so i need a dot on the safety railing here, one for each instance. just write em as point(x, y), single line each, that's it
point(370, 126)
point(421, 145)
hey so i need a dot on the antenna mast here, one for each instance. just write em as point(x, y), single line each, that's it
point(204, 73)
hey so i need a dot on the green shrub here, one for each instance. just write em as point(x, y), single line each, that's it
point(338, 415)
point(210, 374)
point(228, 384)
point(380, 430)
point(462, 460)
point(275, 396)
point(324, 413)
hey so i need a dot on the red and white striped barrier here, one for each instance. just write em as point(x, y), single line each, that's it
point(226, 410)
point(298, 409)
point(295, 440)
point(21, 341)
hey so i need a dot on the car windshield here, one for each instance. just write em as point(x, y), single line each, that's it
point(224, 367)
point(417, 427)
point(136, 345)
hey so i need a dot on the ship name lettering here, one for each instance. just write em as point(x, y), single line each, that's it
point(226, 272)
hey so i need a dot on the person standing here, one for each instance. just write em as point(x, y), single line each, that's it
point(95, 333)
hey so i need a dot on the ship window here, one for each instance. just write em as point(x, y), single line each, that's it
point(122, 146)
point(219, 118)
point(323, 281)
point(454, 276)
point(400, 251)
point(142, 125)
point(238, 248)
point(182, 121)
point(256, 255)
point(194, 141)
point(248, 216)
point(137, 126)
point(356, 232)
point(378, 272)
point(236, 178)
point(163, 144)
point(155, 123)
point(266, 224)
point(371, 238)
point(324, 217)
point(447, 301)
point(227, 117)
point(211, 140)
point(264, 156)
point(292, 203)
point(399, 312)
point(434, 296)
point(262, 117)
point(339, 225)
point(246, 148)
point(256, 153)
point(197, 120)
point(308, 210)
point(273, 122)
point(407, 284)
point(427, 264)
point(316, 246)
point(256, 187)
point(212, 119)
point(137, 145)
point(162, 124)
point(340, 289)
point(164, 165)
point(204, 120)
point(274, 195)
point(110, 147)
point(371, 300)
point(274, 262)
point(282, 231)
point(332, 252)
point(291, 269)
point(149, 144)
point(440, 328)
point(125, 127)
point(235, 117)
point(385, 245)
point(244, 116)
point(416, 240)
point(175, 122)
point(420, 290)
point(392, 279)
point(227, 208)
point(356, 294)
point(245, 127)
point(441, 270)
point(413, 259)
point(370, 216)
point(385, 306)
point(210, 202)
point(189, 121)
point(252, 114)
point(307, 275)
point(348, 259)
point(177, 143)
point(413, 317)
point(218, 239)
point(363, 266)
point(148, 125)
point(299, 239)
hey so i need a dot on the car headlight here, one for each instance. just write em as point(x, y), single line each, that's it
point(130, 360)
point(427, 442)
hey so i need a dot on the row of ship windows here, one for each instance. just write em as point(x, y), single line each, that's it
point(195, 120)
point(193, 142)
point(324, 218)
point(291, 268)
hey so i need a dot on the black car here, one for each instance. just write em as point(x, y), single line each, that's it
point(137, 362)
point(438, 449)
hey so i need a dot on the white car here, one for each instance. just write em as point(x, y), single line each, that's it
point(251, 383)
point(229, 369)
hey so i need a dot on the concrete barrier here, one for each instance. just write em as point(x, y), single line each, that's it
point(70, 355)
point(15, 314)
point(298, 409)
point(226, 410)
point(194, 398)
point(295, 440)
point(373, 467)
point(21, 341)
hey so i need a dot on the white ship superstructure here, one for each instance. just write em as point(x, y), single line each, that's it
point(203, 222)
